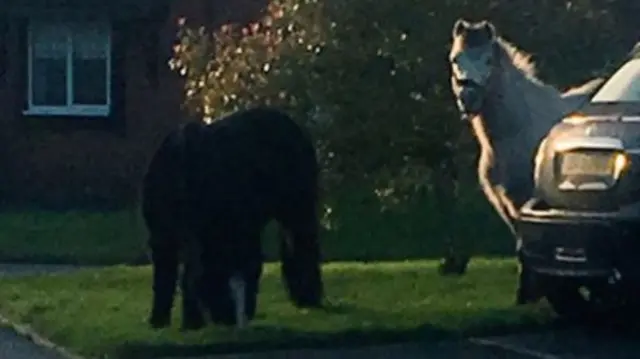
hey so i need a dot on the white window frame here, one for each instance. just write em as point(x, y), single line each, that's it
point(70, 109)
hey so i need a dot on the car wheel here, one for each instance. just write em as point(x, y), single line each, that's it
point(568, 302)
point(584, 304)
point(529, 288)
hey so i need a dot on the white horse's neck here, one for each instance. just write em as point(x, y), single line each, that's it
point(519, 108)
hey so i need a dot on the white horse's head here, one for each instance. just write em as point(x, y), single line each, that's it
point(473, 58)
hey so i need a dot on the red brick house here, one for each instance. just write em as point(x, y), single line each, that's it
point(86, 94)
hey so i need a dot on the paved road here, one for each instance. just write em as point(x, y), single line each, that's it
point(14, 346)
point(571, 344)
point(566, 344)
point(443, 350)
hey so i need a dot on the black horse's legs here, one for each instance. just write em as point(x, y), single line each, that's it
point(232, 276)
point(219, 300)
point(192, 317)
point(252, 272)
point(253, 287)
point(165, 273)
point(300, 251)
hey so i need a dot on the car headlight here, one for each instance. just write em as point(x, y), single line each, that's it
point(575, 118)
point(621, 162)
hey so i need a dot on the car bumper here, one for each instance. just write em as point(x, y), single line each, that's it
point(579, 244)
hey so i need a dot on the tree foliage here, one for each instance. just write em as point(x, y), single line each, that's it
point(370, 78)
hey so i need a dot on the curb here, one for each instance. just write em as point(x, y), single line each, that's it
point(513, 348)
point(26, 332)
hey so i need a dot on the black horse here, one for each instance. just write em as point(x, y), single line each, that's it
point(207, 195)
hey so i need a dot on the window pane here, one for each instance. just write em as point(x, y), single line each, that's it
point(89, 82)
point(90, 52)
point(49, 70)
point(49, 82)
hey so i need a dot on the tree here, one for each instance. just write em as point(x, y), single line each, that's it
point(370, 78)
point(361, 83)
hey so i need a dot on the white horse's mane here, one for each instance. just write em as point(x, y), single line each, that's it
point(521, 98)
point(523, 61)
point(525, 99)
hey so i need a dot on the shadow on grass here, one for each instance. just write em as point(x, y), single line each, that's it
point(48, 259)
point(142, 259)
point(287, 339)
point(270, 338)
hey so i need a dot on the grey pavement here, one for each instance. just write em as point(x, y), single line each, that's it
point(569, 344)
point(566, 344)
point(15, 346)
point(442, 350)
point(34, 269)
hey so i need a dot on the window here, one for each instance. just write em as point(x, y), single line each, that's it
point(69, 68)
point(623, 86)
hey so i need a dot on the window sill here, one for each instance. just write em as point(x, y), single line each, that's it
point(68, 112)
point(66, 120)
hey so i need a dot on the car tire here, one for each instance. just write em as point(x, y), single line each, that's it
point(568, 302)
point(571, 304)
point(529, 289)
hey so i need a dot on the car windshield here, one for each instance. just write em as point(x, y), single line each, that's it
point(623, 86)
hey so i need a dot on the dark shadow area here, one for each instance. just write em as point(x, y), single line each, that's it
point(12, 258)
point(85, 203)
point(290, 340)
point(286, 339)
point(624, 328)
point(143, 260)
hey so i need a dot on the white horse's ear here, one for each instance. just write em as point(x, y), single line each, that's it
point(490, 29)
point(459, 27)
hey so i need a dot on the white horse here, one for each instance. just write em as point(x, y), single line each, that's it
point(510, 111)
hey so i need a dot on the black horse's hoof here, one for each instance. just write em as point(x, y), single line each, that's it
point(309, 303)
point(453, 266)
point(195, 323)
point(223, 319)
point(187, 327)
point(159, 322)
point(521, 298)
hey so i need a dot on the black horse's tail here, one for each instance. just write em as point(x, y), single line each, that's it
point(299, 229)
point(301, 264)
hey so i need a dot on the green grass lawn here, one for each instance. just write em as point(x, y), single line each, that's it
point(75, 237)
point(101, 312)
point(359, 231)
